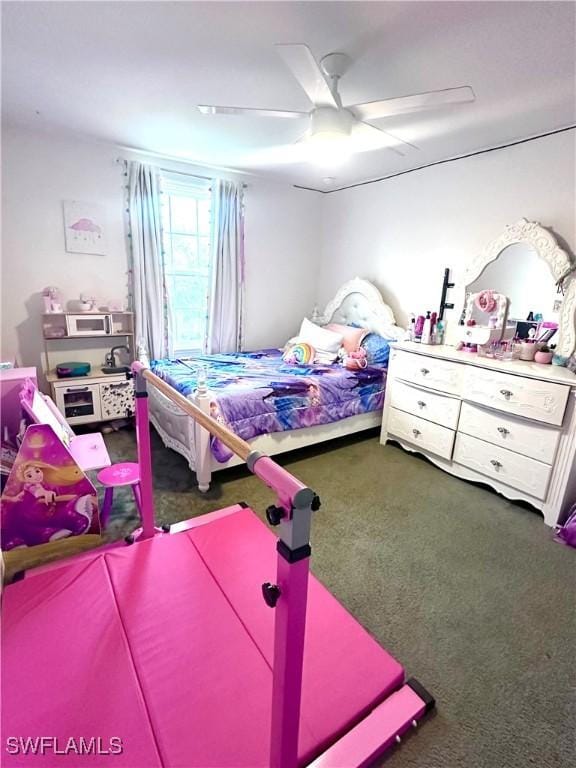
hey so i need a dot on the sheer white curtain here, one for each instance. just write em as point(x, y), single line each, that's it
point(224, 333)
point(147, 262)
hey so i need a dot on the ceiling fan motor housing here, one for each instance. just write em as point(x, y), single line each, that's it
point(327, 121)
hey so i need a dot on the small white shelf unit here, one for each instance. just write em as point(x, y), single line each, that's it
point(97, 396)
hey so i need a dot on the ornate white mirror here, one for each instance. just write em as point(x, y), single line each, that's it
point(527, 266)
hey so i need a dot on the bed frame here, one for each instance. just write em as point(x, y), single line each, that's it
point(357, 301)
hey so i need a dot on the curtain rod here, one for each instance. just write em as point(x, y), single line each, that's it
point(181, 173)
point(187, 173)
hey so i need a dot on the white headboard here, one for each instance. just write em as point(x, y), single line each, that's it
point(359, 302)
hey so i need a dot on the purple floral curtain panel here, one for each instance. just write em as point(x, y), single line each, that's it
point(147, 262)
point(226, 305)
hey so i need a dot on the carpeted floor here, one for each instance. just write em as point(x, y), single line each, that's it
point(467, 590)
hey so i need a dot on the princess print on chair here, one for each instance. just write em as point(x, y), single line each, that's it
point(47, 496)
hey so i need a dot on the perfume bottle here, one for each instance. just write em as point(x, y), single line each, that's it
point(427, 329)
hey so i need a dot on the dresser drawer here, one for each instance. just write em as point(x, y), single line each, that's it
point(429, 405)
point(436, 374)
point(521, 472)
point(530, 439)
point(424, 434)
point(539, 400)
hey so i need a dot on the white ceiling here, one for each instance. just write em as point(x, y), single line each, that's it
point(132, 72)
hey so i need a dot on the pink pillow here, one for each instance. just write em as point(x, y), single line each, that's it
point(351, 337)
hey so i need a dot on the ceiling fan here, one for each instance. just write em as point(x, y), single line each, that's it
point(334, 130)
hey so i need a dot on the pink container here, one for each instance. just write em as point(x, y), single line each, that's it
point(545, 358)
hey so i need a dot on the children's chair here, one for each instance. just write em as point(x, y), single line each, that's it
point(125, 473)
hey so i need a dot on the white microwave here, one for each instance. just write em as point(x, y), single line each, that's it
point(88, 324)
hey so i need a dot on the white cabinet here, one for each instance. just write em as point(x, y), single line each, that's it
point(87, 399)
point(511, 425)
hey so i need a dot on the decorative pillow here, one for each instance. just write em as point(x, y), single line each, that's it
point(377, 349)
point(299, 354)
point(326, 343)
point(352, 336)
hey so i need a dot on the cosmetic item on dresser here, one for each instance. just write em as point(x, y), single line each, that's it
point(527, 350)
point(543, 355)
point(559, 359)
point(510, 424)
point(426, 329)
point(418, 327)
point(439, 332)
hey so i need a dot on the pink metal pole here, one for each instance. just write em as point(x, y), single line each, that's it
point(289, 632)
point(144, 453)
point(293, 513)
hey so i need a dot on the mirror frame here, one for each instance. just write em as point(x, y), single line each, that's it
point(561, 264)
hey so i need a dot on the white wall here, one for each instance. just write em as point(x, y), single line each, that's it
point(40, 171)
point(402, 232)
point(282, 242)
point(38, 174)
point(300, 246)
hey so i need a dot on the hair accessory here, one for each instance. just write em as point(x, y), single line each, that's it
point(356, 360)
point(485, 301)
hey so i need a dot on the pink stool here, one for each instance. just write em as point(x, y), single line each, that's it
point(125, 473)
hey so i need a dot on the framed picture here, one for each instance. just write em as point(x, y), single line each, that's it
point(84, 228)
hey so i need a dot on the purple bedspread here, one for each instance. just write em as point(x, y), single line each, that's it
point(256, 393)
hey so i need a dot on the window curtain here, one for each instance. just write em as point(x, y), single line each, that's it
point(150, 307)
point(224, 331)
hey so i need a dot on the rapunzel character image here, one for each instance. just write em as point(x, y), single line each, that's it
point(46, 500)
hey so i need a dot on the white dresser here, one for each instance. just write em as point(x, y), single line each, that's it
point(511, 425)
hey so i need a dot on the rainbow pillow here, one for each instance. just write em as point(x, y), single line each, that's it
point(300, 353)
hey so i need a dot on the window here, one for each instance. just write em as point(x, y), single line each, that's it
point(186, 244)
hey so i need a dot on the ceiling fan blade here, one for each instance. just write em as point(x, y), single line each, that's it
point(366, 137)
point(373, 110)
point(209, 109)
point(299, 59)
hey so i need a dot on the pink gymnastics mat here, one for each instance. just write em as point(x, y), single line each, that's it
point(167, 645)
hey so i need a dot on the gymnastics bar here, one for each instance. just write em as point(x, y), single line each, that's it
point(292, 513)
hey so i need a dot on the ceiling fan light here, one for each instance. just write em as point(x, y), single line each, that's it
point(330, 154)
point(328, 137)
point(334, 122)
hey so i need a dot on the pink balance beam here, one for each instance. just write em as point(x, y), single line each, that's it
point(376, 733)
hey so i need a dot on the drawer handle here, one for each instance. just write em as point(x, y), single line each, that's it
point(503, 431)
point(507, 394)
point(421, 403)
point(495, 464)
point(424, 371)
point(76, 389)
point(416, 432)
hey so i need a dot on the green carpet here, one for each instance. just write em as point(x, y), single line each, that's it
point(466, 589)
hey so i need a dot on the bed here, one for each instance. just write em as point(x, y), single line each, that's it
point(274, 406)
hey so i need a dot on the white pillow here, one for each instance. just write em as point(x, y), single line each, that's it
point(326, 343)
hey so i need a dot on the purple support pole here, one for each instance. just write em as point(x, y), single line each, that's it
point(144, 454)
